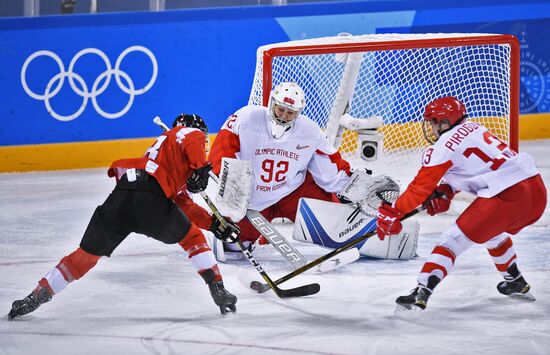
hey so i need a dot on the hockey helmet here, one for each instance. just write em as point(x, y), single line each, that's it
point(190, 120)
point(441, 115)
point(286, 102)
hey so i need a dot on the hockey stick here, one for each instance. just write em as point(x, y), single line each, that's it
point(261, 288)
point(275, 238)
point(300, 291)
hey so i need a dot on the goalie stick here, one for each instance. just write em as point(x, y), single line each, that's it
point(261, 288)
point(299, 291)
point(294, 258)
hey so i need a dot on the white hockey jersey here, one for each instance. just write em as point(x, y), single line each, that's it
point(468, 158)
point(279, 165)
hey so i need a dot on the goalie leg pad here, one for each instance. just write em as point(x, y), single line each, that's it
point(330, 224)
point(333, 225)
point(402, 246)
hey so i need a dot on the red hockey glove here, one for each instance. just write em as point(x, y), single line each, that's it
point(389, 221)
point(442, 200)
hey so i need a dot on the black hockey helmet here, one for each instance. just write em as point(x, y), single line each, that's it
point(190, 120)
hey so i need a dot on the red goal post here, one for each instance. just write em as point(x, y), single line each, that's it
point(394, 76)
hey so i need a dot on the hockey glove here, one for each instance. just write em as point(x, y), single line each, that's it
point(228, 233)
point(389, 221)
point(368, 171)
point(442, 200)
point(199, 179)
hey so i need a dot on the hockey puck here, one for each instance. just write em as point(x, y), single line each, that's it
point(256, 286)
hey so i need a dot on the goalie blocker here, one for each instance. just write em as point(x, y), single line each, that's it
point(332, 225)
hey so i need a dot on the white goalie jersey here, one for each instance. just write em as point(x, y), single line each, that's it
point(279, 165)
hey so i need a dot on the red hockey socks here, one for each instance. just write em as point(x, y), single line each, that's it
point(70, 268)
point(200, 254)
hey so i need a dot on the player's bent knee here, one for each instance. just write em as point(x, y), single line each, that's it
point(455, 240)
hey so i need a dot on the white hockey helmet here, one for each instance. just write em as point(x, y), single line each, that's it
point(286, 102)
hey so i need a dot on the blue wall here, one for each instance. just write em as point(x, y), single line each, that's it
point(206, 58)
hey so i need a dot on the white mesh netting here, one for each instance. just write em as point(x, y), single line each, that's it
point(394, 82)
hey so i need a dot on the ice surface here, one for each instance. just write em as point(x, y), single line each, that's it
point(147, 299)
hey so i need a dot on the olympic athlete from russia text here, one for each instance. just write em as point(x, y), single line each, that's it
point(510, 195)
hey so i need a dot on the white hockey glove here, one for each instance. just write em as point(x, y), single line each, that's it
point(368, 192)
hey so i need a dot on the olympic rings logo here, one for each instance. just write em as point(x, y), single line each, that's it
point(123, 80)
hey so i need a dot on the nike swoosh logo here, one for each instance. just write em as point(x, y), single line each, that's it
point(302, 146)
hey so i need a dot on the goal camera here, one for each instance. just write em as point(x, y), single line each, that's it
point(371, 143)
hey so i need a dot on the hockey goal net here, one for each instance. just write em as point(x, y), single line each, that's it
point(394, 76)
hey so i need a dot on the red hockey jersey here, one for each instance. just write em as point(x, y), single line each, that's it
point(171, 159)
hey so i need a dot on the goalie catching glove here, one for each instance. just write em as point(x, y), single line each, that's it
point(198, 180)
point(389, 221)
point(443, 194)
point(227, 233)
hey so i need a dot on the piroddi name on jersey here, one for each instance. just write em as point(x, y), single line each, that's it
point(460, 134)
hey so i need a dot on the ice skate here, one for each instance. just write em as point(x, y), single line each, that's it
point(222, 298)
point(515, 285)
point(30, 303)
point(225, 300)
point(416, 300)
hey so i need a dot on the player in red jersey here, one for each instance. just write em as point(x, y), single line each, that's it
point(142, 202)
point(465, 156)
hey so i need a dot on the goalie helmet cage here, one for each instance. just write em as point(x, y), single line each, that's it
point(394, 76)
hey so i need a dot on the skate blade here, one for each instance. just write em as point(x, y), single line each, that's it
point(527, 296)
point(227, 312)
point(408, 311)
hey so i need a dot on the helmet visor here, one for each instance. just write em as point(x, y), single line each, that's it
point(284, 115)
point(430, 128)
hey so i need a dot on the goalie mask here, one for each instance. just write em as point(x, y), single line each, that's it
point(440, 116)
point(286, 102)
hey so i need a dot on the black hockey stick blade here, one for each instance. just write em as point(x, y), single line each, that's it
point(300, 291)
